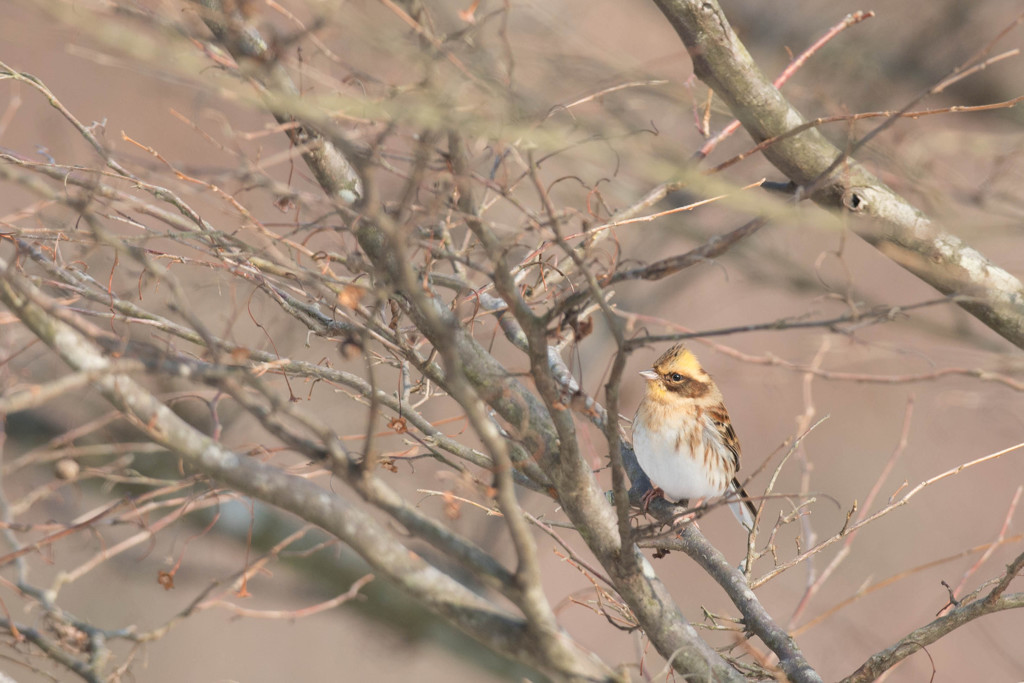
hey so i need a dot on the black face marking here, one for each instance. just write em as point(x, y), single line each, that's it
point(684, 386)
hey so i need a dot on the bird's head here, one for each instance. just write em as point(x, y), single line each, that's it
point(677, 372)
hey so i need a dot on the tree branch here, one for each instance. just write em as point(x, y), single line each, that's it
point(881, 216)
point(922, 637)
point(473, 614)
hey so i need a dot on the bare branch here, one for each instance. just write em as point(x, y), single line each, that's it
point(918, 639)
point(473, 614)
point(834, 181)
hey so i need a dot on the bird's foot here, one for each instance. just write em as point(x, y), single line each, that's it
point(693, 515)
point(649, 497)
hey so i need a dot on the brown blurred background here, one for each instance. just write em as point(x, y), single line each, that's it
point(964, 170)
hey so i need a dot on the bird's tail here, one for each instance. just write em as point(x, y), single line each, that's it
point(741, 505)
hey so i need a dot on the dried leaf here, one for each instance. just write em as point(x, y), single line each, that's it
point(165, 579)
point(452, 506)
point(351, 295)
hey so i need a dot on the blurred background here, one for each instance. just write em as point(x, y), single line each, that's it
point(964, 170)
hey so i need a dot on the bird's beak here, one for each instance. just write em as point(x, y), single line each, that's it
point(649, 375)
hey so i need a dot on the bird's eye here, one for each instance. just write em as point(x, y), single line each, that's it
point(676, 377)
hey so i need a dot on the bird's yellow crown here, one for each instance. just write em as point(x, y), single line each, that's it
point(678, 359)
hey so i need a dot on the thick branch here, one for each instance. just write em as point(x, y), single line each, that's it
point(883, 218)
point(755, 617)
point(475, 615)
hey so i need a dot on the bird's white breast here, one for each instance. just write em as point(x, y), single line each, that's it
point(676, 472)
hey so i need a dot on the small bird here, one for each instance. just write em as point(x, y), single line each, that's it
point(683, 437)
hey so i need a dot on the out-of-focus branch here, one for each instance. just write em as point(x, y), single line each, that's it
point(450, 338)
point(54, 651)
point(995, 601)
point(226, 377)
point(576, 488)
point(332, 166)
point(414, 255)
point(713, 248)
point(584, 502)
point(473, 614)
point(880, 215)
point(84, 285)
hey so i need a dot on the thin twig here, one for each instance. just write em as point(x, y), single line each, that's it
point(903, 500)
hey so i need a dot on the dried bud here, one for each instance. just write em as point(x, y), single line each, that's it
point(66, 469)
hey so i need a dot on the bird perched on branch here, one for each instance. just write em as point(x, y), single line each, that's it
point(683, 437)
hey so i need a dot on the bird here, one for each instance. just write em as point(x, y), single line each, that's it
point(683, 437)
